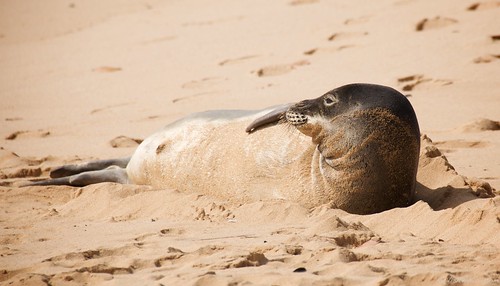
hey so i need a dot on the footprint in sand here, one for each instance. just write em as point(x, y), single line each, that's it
point(191, 96)
point(27, 134)
point(145, 236)
point(480, 125)
point(434, 23)
point(409, 83)
point(356, 21)
point(172, 231)
point(13, 119)
point(452, 145)
point(236, 60)
point(486, 59)
point(343, 35)
point(108, 107)
point(337, 37)
point(327, 49)
point(302, 2)
point(280, 69)
point(207, 85)
point(148, 118)
point(107, 69)
point(495, 38)
point(483, 6)
point(124, 142)
point(159, 40)
point(203, 83)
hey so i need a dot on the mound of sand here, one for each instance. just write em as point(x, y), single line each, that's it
point(130, 234)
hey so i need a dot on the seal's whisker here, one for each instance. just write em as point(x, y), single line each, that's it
point(291, 129)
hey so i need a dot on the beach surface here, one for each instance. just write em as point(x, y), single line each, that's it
point(84, 80)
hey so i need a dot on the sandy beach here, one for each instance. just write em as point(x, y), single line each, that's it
point(83, 80)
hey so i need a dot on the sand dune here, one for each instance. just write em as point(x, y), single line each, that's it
point(87, 80)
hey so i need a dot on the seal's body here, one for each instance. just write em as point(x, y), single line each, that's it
point(211, 153)
point(359, 153)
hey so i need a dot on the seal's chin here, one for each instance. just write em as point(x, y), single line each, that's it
point(295, 118)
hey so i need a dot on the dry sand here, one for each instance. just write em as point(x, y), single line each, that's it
point(88, 79)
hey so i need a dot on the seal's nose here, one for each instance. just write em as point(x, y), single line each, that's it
point(295, 118)
point(299, 113)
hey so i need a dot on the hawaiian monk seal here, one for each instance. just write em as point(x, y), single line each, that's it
point(360, 153)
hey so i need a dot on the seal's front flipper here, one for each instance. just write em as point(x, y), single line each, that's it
point(269, 119)
point(69, 170)
point(112, 174)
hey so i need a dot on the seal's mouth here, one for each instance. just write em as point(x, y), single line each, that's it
point(295, 118)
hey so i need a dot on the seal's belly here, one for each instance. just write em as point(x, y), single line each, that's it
point(214, 155)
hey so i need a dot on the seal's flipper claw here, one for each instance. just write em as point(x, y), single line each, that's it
point(271, 118)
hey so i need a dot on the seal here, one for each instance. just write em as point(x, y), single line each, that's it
point(355, 148)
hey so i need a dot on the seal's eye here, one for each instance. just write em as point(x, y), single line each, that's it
point(329, 100)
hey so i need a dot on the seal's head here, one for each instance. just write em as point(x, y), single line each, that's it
point(367, 144)
point(312, 116)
